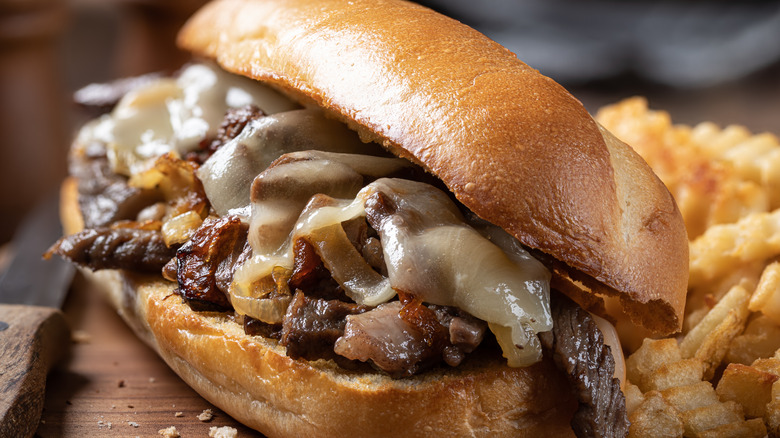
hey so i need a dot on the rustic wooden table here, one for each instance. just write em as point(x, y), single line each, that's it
point(113, 385)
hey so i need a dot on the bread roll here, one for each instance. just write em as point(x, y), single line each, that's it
point(511, 144)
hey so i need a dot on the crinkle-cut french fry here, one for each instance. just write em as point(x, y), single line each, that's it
point(651, 355)
point(685, 398)
point(709, 340)
point(715, 141)
point(772, 417)
point(748, 386)
point(768, 365)
point(721, 248)
point(708, 417)
point(634, 397)
point(708, 294)
point(711, 195)
point(760, 339)
point(753, 428)
point(766, 298)
point(655, 418)
point(754, 157)
point(669, 375)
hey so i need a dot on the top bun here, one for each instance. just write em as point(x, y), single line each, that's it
point(511, 144)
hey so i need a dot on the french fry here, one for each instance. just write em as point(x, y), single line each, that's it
point(686, 398)
point(680, 373)
point(766, 298)
point(634, 397)
point(710, 339)
point(651, 355)
point(711, 184)
point(747, 386)
point(752, 239)
point(708, 417)
point(760, 339)
point(655, 417)
point(753, 428)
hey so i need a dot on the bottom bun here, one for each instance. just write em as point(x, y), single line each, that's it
point(253, 380)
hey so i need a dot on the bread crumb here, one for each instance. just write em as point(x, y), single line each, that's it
point(178, 414)
point(152, 380)
point(223, 432)
point(102, 424)
point(80, 337)
point(206, 415)
point(133, 423)
point(169, 432)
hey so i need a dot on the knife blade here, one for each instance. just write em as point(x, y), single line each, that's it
point(33, 332)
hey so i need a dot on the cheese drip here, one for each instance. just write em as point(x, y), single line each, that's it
point(174, 115)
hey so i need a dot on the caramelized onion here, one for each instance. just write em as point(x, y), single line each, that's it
point(180, 229)
point(267, 298)
point(268, 310)
point(348, 267)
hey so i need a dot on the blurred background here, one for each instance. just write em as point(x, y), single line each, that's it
point(700, 60)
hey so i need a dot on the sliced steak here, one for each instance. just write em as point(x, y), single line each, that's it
point(234, 122)
point(312, 325)
point(578, 348)
point(199, 261)
point(104, 196)
point(116, 248)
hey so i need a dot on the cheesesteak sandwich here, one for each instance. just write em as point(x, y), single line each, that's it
point(363, 218)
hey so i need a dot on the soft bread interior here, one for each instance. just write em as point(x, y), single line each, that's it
point(511, 144)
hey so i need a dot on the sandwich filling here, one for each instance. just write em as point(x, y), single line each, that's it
point(291, 184)
point(336, 249)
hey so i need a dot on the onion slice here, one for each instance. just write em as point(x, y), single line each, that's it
point(348, 267)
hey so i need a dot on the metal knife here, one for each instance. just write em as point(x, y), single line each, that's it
point(33, 332)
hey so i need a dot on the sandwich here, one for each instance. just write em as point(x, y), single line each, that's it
point(363, 218)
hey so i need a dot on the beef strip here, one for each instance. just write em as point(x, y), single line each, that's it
point(311, 326)
point(465, 332)
point(310, 275)
point(392, 344)
point(255, 327)
point(226, 268)
point(234, 122)
point(198, 262)
point(104, 196)
point(116, 248)
point(578, 348)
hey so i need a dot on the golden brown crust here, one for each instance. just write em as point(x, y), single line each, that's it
point(253, 380)
point(511, 144)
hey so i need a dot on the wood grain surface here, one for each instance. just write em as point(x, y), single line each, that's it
point(32, 339)
point(113, 385)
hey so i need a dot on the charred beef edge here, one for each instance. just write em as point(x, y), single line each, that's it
point(574, 337)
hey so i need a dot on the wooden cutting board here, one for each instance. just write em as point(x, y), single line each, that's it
point(113, 385)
